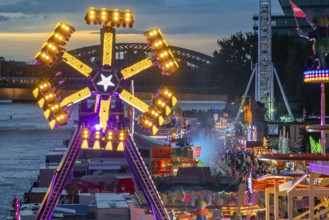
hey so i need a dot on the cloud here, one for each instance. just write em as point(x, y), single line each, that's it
point(4, 18)
point(63, 6)
point(145, 6)
point(191, 24)
point(38, 6)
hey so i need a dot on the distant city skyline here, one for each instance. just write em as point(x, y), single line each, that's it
point(192, 24)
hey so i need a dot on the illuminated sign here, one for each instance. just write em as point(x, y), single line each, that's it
point(250, 182)
point(316, 76)
point(161, 166)
point(196, 151)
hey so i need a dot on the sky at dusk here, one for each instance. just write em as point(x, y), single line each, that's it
point(193, 24)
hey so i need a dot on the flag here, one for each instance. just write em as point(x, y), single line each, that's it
point(298, 13)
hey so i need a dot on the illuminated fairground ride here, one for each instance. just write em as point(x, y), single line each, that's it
point(104, 129)
point(305, 186)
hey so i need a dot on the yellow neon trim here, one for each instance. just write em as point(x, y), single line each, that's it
point(134, 101)
point(41, 102)
point(173, 101)
point(76, 97)
point(104, 113)
point(154, 130)
point(107, 48)
point(52, 124)
point(160, 120)
point(136, 68)
point(83, 68)
point(97, 98)
point(109, 146)
point(96, 145)
point(121, 146)
point(167, 110)
point(35, 92)
point(47, 113)
point(84, 144)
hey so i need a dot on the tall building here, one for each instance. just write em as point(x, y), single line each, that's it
point(285, 24)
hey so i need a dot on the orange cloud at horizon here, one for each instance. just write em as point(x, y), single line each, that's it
point(23, 46)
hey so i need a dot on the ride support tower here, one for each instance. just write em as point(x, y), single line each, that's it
point(264, 71)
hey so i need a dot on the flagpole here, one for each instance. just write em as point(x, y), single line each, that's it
point(295, 16)
point(296, 22)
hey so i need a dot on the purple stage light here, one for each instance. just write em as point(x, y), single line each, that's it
point(98, 127)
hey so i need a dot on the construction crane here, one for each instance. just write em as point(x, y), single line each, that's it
point(264, 71)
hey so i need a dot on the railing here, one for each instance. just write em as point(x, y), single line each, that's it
point(144, 180)
point(60, 176)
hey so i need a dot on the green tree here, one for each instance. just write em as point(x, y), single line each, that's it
point(306, 140)
point(231, 69)
point(315, 146)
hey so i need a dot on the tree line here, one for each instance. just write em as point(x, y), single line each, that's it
point(237, 55)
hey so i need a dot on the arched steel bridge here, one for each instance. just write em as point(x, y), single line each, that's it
point(194, 75)
point(183, 55)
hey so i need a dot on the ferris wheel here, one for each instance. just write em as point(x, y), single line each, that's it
point(103, 132)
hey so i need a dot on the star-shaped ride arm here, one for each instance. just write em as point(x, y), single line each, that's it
point(150, 117)
point(136, 68)
point(104, 113)
point(78, 65)
point(133, 101)
point(76, 97)
point(107, 46)
point(69, 100)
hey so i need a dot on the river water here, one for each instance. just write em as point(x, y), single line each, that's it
point(25, 139)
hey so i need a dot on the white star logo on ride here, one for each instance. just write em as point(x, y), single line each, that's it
point(106, 82)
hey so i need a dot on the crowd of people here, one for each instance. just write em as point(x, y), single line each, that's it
point(224, 155)
point(237, 162)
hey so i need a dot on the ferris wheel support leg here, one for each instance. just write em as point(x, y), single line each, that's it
point(144, 179)
point(245, 95)
point(57, 184)
point(284, 95)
